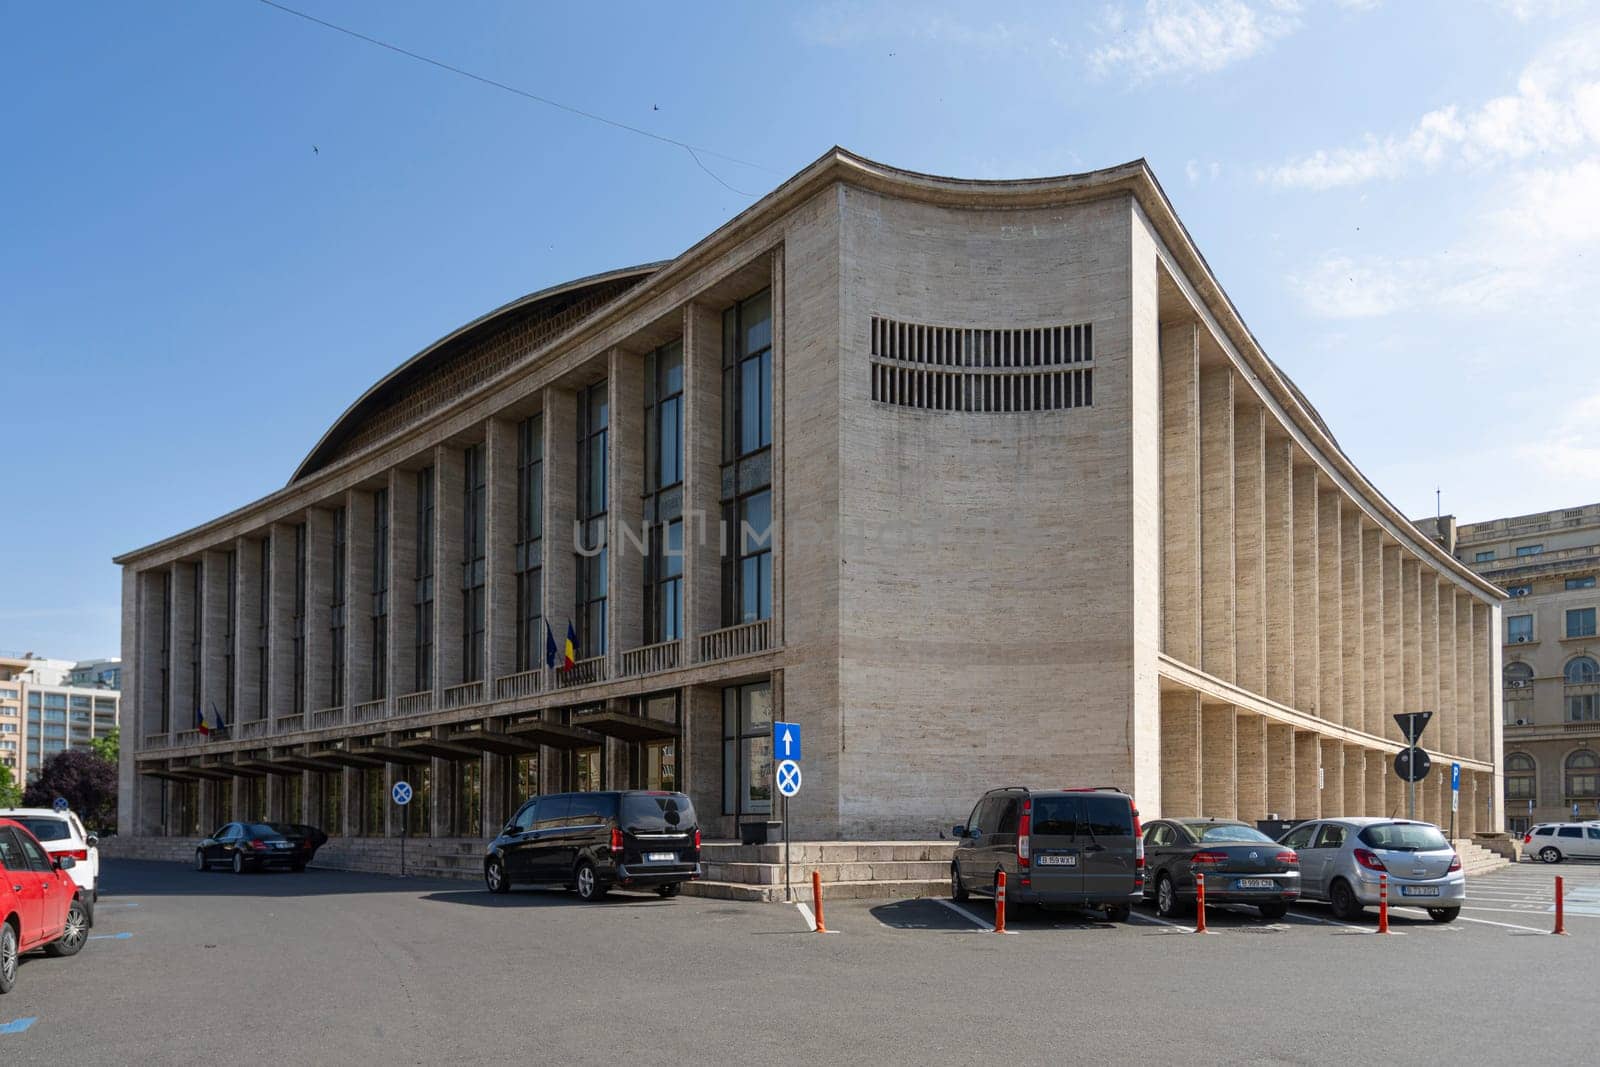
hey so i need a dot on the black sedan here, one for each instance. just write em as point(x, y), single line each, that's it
point(250, 846)
point(306, 839)
point(1241, 865)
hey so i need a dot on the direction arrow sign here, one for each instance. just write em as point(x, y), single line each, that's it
point(788, 778)
point(1412, 723)
point(786, 740)
point(401, 793)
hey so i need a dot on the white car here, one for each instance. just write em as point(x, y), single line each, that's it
point(1553, 842)
point(62, 834)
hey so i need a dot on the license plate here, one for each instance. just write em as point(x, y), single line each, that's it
point(1419, 890)
point(1255, 883)
point(1056, 861)
point(661, 857)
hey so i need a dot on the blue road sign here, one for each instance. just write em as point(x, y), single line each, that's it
point(1455, 777)
point(786, 740)
point(401, 793)
point(61, 804)
point(788, 777)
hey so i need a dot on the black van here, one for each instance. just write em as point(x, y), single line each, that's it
point(633, 839)
point(1056, 846)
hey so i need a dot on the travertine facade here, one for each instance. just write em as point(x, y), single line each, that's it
point(1040, 511)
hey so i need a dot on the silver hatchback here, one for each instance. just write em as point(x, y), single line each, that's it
point(1341, 861)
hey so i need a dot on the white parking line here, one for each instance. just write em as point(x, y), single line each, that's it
point(1490, 922)
point(1328, 922)
point(805, 913)
point(1138, 917)
point(965, 914)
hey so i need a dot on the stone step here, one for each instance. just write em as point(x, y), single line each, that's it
point(772, 873)
point(865, 890)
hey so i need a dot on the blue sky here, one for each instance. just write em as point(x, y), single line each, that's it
point(1403, 198)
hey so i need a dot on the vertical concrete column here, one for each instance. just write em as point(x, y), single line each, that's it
point(1330, 600)
point(1452, 735)
point(1307, 775)
point(1377, 770)
point(500, 577)
point(779, 557)
point(1352, 572)
point(358, 650)
point(1250, 533)
point(185, 590)
point(1491, 733)
point(1428, 610)
point(1428, 795)
point(702, 474)
point(1180, 492)
point(1374, 671)
point(628, 538)
point(1411, 617)
point(1470, 806)
point(1485, 646)
point(319, 597)
point(1280, 769)
point(150, 596)
point(1251, 764)
point(494, 776)
point(1466, 731)
point(1278, 505)
point(1332, 778)
point(246, 663)
point(442, 787)
point(1355, 780)
point(280, 638)
point(449, 511)
point(560, 511)
point(214, 636)
point(402, 583)
point(1219, 795)
point(1307, 613)
point(1394, 672)
point(1180, 754)
point(207, 796)
point(138, 797)
point(352, 801)
point(1218, 591)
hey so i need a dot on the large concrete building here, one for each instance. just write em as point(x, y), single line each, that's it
point(43, 713)
point(979, 482)
point(1548, 563)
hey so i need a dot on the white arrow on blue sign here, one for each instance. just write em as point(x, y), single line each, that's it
point(401, 793)
point(786, 740)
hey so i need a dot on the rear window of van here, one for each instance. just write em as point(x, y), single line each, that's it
point(657, 813)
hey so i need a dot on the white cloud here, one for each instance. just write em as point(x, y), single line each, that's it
point(846, 23)
point(1569, 450)
point(1196, 171)
point(1190, 36)
point(1526, 10)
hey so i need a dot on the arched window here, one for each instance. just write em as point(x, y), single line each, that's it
point(1583, 775)
point(1521, 774)
point(1518, 675)
point(1582, 671)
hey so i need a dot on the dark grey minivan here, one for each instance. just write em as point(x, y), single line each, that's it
point(1056, 846)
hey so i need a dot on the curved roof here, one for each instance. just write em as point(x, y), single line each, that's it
point(409, 375)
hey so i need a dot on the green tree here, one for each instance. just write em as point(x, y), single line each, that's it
point(10, 794)
point(108, 747)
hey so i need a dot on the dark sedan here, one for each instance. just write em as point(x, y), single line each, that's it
point(251, 846)
point(1242, 865)
point(306, 839)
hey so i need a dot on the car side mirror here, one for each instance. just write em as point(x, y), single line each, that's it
point(958, 831)
point(92, 840)
point(509, 829)
point(66, 863)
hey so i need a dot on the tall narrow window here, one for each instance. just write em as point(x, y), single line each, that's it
point(747, 460)
point(231, 623)
point(593, 423)
point(663, 484)
point(423, 597)
point(336, 610)
point(263, 627)
point(300, 618)
point(196, 627)
point(474, 548)
point(380, 594)
point(530, 540)
point(166, 650)
point(747, 749)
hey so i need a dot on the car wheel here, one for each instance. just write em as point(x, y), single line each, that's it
point(1119, 913)
point(1550, 854)
point(1273, 912)
point(8, 957)
point(1443, 915)
point(1343, 899)
point(670, 890)
point(958, 892)
point(494, 875)
point(199, 859)
point(238, 863)
point(587, 882)
point(1166, 897)
point(73, 937)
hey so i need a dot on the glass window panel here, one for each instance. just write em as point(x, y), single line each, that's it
point(672, 552)
point(755, 315)
point(749, 408)
point(764, 430)
point(755, 530)
point(671, 444)
point(756, 706)
point(758, 773)
point(672, 369)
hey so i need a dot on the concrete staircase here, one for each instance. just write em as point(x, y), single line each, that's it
point(1476, 859)
point(851, 870)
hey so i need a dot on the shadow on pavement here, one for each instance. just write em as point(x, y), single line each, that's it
point(132, 878)
point(546, 898)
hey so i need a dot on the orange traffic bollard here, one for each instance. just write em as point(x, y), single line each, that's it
point(816, 898)
point(1561, 925)
point(1199, 902)
point(1000, 902)
point(1383, 903)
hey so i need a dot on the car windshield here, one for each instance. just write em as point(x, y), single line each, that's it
point(1404, 837)
point(45, 828)
point(657, 813)
point(1226, 832)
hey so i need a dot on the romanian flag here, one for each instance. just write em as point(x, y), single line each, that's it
point(569, 656)
point(200, 722)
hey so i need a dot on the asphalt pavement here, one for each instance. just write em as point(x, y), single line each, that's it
point(325, 967)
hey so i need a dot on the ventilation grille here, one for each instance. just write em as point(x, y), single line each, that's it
point(950, 368)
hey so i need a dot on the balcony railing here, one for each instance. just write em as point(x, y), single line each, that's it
point(731, 641)
point(156, 741)
point(650, 659)
point(327, 717)
point(525, 684)
point(584, 672)
point(464, 695)
point(187, 737)
point(414, 703)
point(369, 711)
point(285, 723)
point(253, 728)
point(1580, 728)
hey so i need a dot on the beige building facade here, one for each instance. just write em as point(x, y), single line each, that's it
point(41, 714)
point(978, 482)
point(1548, 562)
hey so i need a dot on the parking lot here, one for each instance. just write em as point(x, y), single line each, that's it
point(322, 966)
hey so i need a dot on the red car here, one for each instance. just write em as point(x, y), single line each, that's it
point(40, 905)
